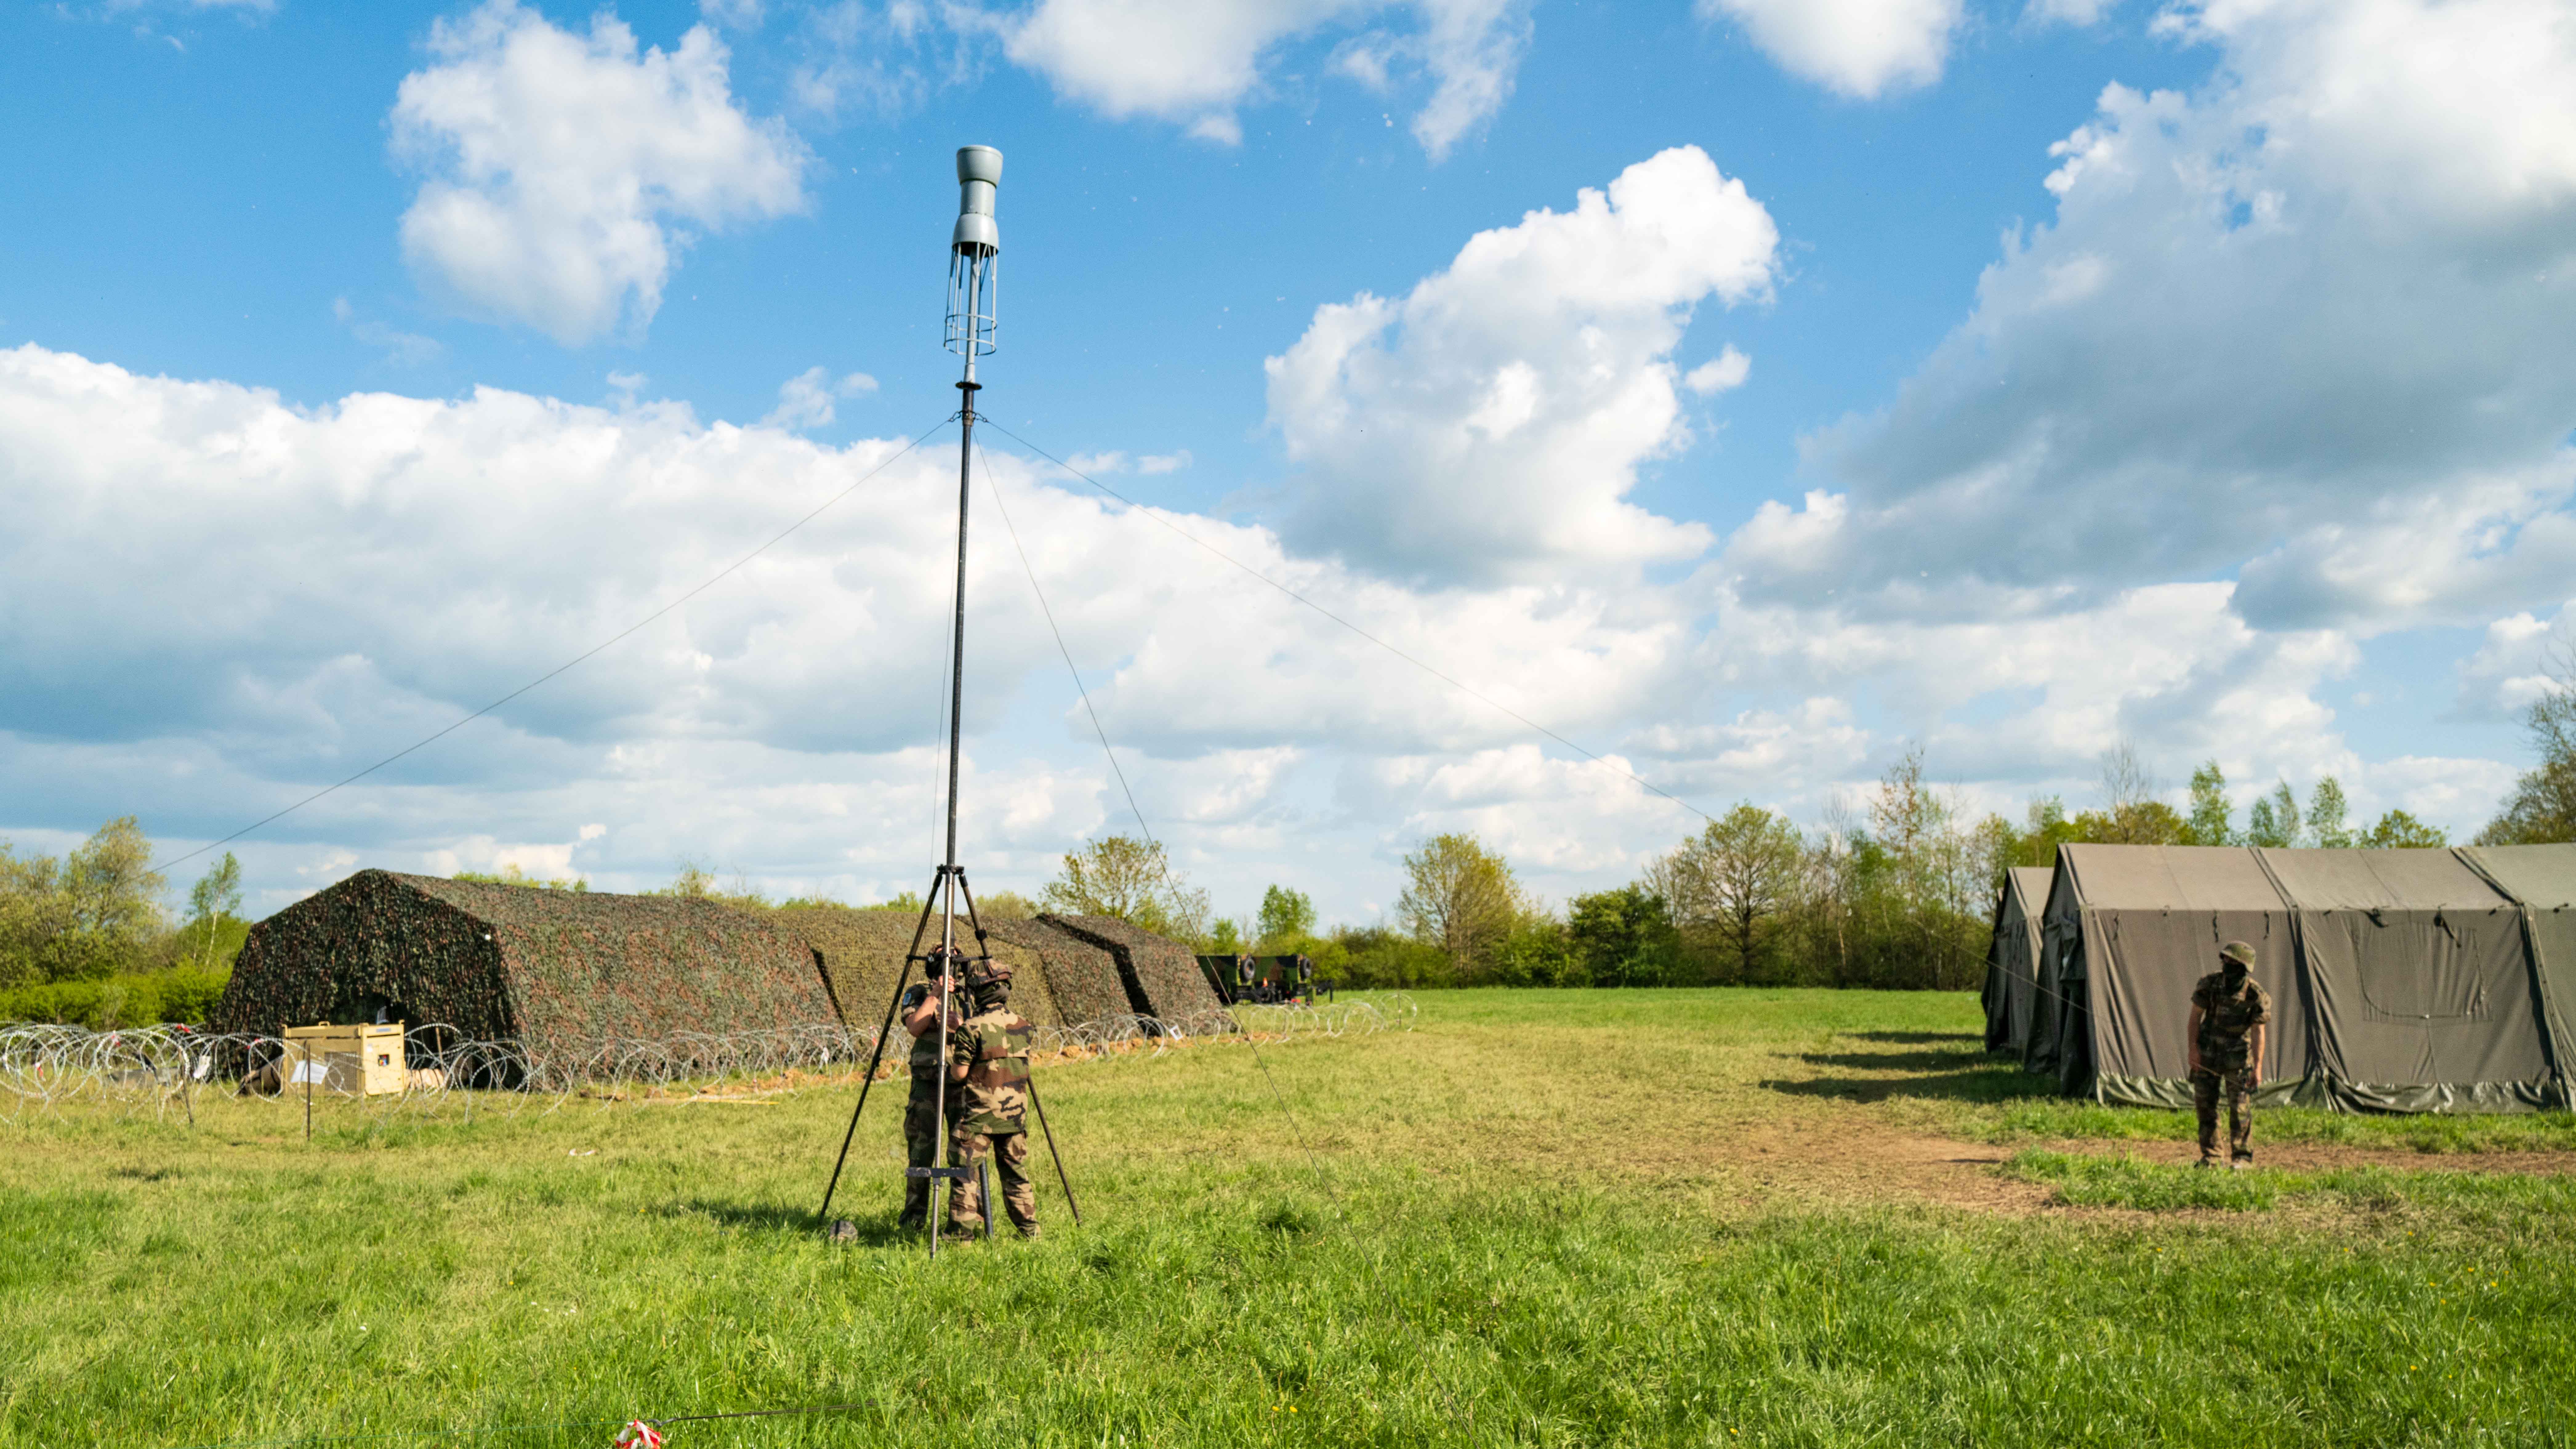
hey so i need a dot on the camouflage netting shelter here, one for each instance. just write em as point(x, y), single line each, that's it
point(1082, 978)
point(863, 954)
point(2011, 995)
point(499, 962)
point(1161, 977)
point(2401, 980)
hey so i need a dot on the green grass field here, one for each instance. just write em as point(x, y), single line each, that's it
point(1549, 1218)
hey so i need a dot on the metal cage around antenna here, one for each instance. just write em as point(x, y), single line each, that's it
point(974, 257)
point(974, 292)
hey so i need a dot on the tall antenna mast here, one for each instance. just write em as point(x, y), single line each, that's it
point(974, 286)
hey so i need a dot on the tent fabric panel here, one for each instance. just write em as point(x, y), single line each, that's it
point(2060, 936)
point(2080, 946)
point(2011, 992)
point(2026, 887)
point(2366, 880)
point(2176, 877)
point(2142, 1001)
point(2422, 1010)
point(2174, 1093)
point(2542, 877)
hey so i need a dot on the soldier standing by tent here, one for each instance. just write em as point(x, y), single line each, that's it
point(988, 1071)
point(921, 1109)
point(2231, 1015)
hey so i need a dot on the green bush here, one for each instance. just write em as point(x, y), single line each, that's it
point(182, 993)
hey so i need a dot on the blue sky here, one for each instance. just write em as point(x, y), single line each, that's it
point(1743, 390)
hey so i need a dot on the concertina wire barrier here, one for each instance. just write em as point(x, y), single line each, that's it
point(163, 1070)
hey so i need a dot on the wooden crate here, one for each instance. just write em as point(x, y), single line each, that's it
point(351, 1060)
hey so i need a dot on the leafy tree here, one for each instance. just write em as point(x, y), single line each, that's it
point(2398, 830)
point(1284, 914)
point(2212, 819)
point(90, 915)
point(2045, 827)
point(213, 902)
point(1732, 882)
point(694, 882)
point(1000, 906)
point(2326, 810)
point(1460, 897)
point(512, 875)
point(2542, 808)
point(2273, 820)
point(1537, 951)
point(1624, 937)
point(1122, 876)
point(1225, 938)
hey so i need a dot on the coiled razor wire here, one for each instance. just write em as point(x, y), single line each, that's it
point(166, 1070)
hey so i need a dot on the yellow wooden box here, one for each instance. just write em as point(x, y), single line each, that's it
point(352, 1060)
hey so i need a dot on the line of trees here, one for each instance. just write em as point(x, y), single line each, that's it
point(85, 937)
point(1896, 891)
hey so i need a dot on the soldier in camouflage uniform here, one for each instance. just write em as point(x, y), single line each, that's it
point(2231, 1017)
point(921, 1108)
point(988, 1072)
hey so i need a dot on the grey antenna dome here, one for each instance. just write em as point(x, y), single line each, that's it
point(979, 175)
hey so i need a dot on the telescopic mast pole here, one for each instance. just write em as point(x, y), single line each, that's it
point(973, 250)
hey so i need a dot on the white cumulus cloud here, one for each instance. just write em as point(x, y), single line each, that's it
point(806, 400)
point(1197, 61)
point(1490, 423)
point(1858, 48)
point(2313, 322)
point(565, 171)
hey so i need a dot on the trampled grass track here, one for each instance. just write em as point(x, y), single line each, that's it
point(1569, 1218)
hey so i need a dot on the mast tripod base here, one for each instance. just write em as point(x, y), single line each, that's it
point(941, 880)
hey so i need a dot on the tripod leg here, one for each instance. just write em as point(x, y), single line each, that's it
point(1057, 1157)
point(823, 1214)
point(984, 1190)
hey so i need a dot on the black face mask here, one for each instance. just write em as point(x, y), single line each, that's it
point(2236, 971)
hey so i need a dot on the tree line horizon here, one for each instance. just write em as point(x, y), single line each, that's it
point(1895, 890)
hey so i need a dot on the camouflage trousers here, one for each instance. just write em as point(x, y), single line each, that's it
point(1009, 1154)
point(920, 1148)
point(2238, 1085)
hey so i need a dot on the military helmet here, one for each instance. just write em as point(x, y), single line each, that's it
point(990, 981)
point(2237, 953)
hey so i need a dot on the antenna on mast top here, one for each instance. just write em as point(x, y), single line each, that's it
point(974, 258)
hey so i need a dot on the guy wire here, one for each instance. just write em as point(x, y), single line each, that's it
point(712, 580)
point(994, 488)
point(1449, 679)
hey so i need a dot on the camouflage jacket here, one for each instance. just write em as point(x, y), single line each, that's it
point(925, 1047)
point(2228, 1019)
point(994, 1050)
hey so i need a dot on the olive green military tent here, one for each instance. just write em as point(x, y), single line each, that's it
point(2401, 980)
point(496, 961)
point(2011, 992)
